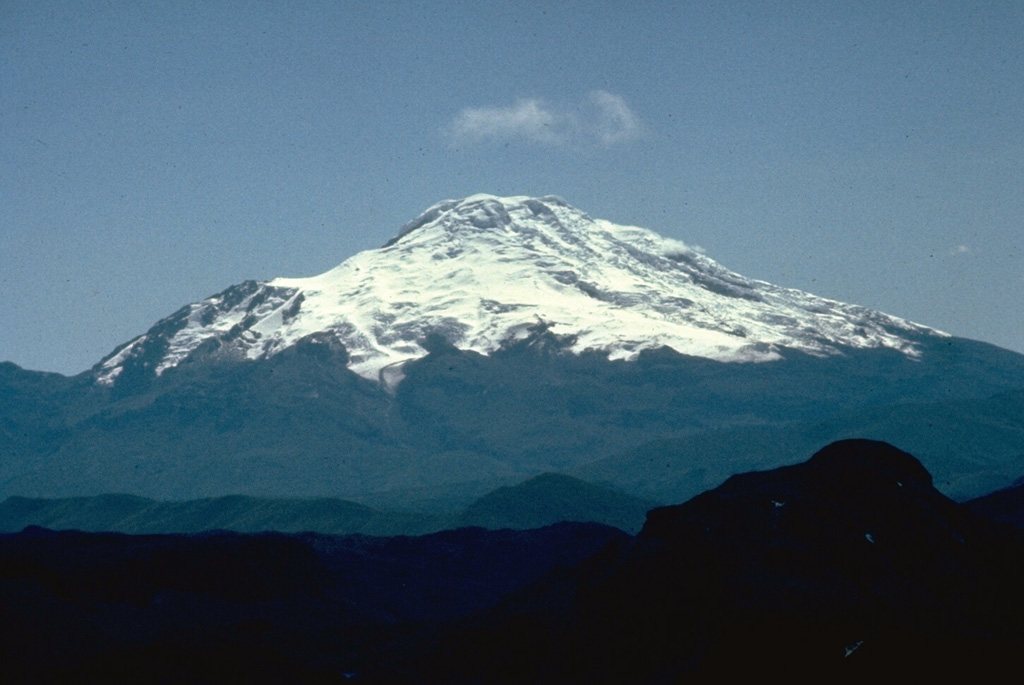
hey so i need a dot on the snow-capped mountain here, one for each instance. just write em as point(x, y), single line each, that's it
point(483, 271)
point(454, 359)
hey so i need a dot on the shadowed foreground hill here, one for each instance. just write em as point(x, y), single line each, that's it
point(1005, 505)
point(847, 564)
point(850, 564)
point(225, 607)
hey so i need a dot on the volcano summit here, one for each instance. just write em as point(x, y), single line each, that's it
point(485, 271)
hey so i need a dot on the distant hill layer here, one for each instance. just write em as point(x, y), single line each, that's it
point(538, 502)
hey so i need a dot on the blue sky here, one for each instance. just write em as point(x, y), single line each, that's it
point(154, 153)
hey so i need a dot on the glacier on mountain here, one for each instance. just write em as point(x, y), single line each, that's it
point(486, 270)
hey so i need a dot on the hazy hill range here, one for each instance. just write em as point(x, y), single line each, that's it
point(540, 501)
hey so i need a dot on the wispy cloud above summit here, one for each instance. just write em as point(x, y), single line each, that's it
point(614, 122)
point(527, 119)
point(602, 118)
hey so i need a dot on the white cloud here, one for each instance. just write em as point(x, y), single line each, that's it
point(603, 118)
point(615, 122)
point(959, 249)
point(673, 245)
point(527, 119)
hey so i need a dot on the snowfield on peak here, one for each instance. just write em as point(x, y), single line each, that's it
point(485, 270)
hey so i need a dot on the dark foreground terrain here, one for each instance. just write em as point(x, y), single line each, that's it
point(848, 564)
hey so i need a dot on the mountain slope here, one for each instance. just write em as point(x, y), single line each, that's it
point(971, 446)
